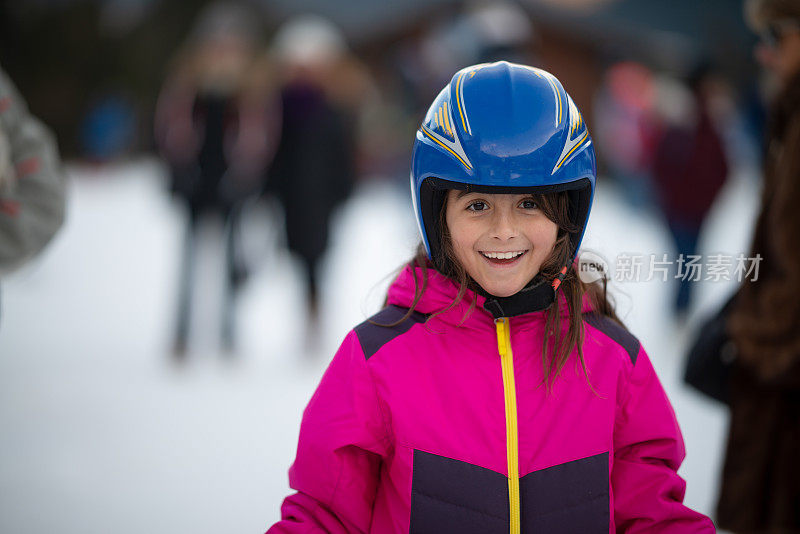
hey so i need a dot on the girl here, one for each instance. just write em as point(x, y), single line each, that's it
point(496, 392)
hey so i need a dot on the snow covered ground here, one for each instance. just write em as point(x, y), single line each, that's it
point(102, 431)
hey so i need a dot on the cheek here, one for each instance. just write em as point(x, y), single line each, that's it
point(545, 237)
point(462, 242)
point(461, 232)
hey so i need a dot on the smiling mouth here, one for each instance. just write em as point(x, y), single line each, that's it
point(503, 258)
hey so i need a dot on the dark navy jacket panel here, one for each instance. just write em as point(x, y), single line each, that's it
point(616, 332)
point(448, 495)
point(373, 335)
point(569, 497)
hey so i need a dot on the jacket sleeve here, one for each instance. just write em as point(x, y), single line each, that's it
point(648, 493)
point(343, 438)
point(32, 181)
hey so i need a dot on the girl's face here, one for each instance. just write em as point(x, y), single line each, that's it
point(501, 240)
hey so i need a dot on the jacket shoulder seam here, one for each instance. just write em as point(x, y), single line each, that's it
point(383, 327)
point(615, 332)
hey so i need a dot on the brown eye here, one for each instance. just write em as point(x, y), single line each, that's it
point(528, 204)
point(478, 205)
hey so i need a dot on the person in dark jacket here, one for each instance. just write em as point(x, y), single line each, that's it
point(761, 475)
point(212, 127)
point(314, 166)
point(689, 169)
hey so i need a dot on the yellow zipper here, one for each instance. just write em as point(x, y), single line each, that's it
point(510, 394)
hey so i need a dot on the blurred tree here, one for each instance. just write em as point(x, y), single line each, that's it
point(67, 55)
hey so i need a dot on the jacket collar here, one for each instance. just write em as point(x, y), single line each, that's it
point(441, 291)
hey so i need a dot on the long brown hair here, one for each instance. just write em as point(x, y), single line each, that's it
point(556, 347)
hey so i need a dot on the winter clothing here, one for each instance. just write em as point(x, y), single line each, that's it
point(313, 170)
point(217, 144)
point(689, 170)
point(416, 426)
point(32, 181)
point(761, 475)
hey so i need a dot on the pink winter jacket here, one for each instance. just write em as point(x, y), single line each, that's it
point(436, 426)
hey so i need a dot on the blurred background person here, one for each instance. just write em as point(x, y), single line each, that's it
point(628, 128)
point(214, 129)
point(761, 473)
point(689, 167)
point(314, 168)
point(32, 181)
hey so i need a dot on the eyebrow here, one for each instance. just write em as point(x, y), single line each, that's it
point(464, 192)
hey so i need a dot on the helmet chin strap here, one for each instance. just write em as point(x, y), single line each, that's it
point(538, 295)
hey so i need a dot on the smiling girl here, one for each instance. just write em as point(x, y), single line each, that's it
point(496, 392)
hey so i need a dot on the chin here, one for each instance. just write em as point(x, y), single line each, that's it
point(502, 291)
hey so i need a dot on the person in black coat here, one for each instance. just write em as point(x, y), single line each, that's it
point(314, 166)
point(761, 475)
point(690, 168)
point(212, 127)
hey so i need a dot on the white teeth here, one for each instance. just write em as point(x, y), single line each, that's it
point(502, 255)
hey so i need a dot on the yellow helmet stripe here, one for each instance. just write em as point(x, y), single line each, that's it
point(447, 119)
point(458, 101)
point(559, 102)
point(550, 80)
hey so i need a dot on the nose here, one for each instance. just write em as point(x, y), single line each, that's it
point(504, 225)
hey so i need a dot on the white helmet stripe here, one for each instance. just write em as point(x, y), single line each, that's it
point(454, 148)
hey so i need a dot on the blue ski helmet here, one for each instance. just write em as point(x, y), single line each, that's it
point(501, 128)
